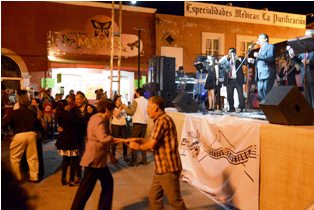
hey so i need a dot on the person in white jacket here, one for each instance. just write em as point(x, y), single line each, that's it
point(139, 121)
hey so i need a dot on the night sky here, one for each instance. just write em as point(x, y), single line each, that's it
point(177, 7)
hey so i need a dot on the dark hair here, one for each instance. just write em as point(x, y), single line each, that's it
point(159, 101)
point(116, 97)
point(21, 92)
point(81, 94)
point(24, 100)
point(71, 96)
point(232, 49)
point(265, 35)
point(105, 104)
point(37, 100)
point(140, 91)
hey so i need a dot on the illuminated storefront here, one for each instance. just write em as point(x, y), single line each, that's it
point(88, 80)
point(67, 45)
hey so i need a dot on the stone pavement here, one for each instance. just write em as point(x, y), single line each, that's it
point(131, 185)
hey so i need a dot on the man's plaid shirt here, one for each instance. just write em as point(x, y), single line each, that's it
point(166, 153)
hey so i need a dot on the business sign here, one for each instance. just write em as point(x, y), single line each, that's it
point(239, 14)
point(94, 39)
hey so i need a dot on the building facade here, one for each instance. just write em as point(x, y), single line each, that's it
point(67, 45)
point(209, 29)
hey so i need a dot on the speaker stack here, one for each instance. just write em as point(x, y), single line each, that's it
point(162, 73)
point(286, 105)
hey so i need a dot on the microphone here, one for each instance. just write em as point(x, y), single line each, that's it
point(253, 44)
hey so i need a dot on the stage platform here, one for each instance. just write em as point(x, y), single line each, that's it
point(239, 160)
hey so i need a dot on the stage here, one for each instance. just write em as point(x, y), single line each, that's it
point(241, 161)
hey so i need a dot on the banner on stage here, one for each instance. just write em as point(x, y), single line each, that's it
point(220, 157)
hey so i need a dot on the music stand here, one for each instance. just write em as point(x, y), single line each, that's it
point(199, 66)
point(302, 44)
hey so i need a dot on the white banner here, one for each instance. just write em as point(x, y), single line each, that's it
point(220, 157)
point(239, 14)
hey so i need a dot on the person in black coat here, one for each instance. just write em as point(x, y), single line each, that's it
point(68, 141)
point(84, 111)
point(25, 124)
point(234, 79)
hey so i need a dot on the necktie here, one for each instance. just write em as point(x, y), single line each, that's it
point(230, 72)
point(305, 58)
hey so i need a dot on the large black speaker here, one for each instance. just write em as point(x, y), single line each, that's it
point(286, 105)
point(168, 97)
point(185, 103)
point(162, 71)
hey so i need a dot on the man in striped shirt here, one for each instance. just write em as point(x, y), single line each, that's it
point(164, 143)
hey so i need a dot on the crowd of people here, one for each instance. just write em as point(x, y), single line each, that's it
point(88, 134)
point(87, 138)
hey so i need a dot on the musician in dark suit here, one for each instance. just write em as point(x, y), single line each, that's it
point(306, 61)
point(307, 75)
point(288, 71)
point(234, 80)
point(265, 73)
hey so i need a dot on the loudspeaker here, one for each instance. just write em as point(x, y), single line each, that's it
point(286, 105)
point(168, 97)
point(162, 72)
point(185, 103)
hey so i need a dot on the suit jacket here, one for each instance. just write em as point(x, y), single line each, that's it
point(309, 69)
point(265, 63)
point(240, 75)
point(98, 142)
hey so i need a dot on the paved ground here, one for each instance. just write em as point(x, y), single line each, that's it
point(131, 185)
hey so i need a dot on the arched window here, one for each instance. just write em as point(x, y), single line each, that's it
point(10, 73)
